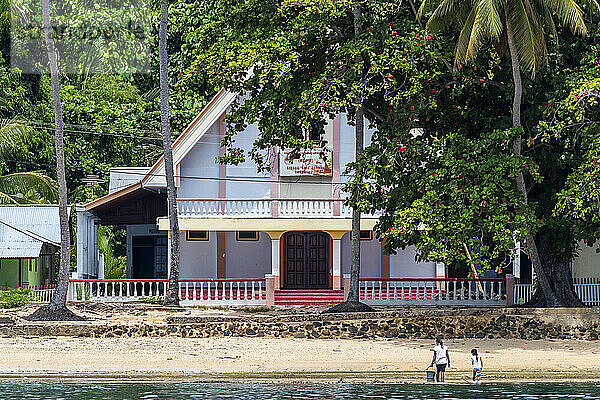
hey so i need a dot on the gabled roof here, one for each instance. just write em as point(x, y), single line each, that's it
point(155, 177)
point(190, 136)
point(25, 228)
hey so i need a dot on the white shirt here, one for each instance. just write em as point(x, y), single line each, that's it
point(476, 362)
point(440, 354)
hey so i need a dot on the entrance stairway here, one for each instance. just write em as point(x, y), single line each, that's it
point(308, 297)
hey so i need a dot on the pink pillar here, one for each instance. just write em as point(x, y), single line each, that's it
point(270, 289)
point(510, 290)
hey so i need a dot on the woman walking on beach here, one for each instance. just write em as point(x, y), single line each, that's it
point(441, 359)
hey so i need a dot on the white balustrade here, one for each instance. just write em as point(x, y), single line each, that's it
point(588, 293)
point(401, 291)
point(261, 208)
point(225, 292)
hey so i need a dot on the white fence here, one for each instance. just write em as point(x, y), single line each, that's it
point(588, 293)
point(263, 208)
point(426, 292)
point(192, 292)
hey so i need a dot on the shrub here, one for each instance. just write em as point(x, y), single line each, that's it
point(15, 297)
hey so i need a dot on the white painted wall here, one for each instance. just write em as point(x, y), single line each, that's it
point(370, 257)
point(403, 265)
point(198, 259)
point(247, 259)
point(201, 162)
point(258, 185)
point(587, 263)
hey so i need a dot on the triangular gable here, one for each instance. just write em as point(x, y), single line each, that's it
point(192, 134)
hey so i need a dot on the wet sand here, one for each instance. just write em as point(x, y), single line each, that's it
point(231, 358)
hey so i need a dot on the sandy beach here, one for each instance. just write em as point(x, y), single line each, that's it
point(268, 358)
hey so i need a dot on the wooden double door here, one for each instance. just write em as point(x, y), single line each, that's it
point(306, 260)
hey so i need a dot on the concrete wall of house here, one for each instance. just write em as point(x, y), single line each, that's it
point(200, 162)
point(587, 263)
point(347, 143)
point(247, 259)
point(258, 185)
point(403, 265)
point(370, 256)
point(198, 259)
point(138, 230)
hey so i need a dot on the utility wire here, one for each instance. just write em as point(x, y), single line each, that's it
point(266, 179)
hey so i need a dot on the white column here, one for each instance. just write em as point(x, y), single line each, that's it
point(275, 257)
point(440, 273)
point(337, 263)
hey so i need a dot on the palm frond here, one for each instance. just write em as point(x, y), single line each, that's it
point(488, 13)
point(7, 199)
point(445, 14)
point(22, 187)
point(546, 19)
point(13, 132)
point(427, 6)
point(570, 14)
point(464, 38)
point(528, 35)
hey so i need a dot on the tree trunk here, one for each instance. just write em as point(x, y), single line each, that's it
point(172, 295)
point(352, 303)
point(549, 295)
point(57, 309)
point(562, 278)
point(354, 293)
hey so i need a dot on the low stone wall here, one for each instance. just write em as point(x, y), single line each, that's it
point(401, 324)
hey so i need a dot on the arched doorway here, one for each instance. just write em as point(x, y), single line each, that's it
point(306, 260)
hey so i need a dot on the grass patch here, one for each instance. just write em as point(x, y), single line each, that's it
point(253, 310)
point(152, 300)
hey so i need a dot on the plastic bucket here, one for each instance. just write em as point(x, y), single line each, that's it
point(430, 376)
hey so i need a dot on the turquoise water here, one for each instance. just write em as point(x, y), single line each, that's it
point(174, 391)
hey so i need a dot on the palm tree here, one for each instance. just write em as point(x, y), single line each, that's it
point(27, 188)
point(524, 24)
point(57, 308)
point(172, 295)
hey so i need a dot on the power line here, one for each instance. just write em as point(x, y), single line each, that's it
point(266, 179)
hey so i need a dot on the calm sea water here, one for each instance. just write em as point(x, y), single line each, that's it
point(295, 391)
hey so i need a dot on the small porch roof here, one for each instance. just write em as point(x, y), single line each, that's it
point(131, 205)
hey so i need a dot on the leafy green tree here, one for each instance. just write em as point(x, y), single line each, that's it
point(295, 64)
point(522, 26)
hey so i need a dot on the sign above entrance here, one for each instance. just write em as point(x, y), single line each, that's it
point(305, 162)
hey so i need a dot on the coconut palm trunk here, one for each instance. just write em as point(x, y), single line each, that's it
point(57, 308)
point(172, 295)
point(551, 300)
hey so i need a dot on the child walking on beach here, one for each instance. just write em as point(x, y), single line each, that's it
point(441, 359)
point(477, 364)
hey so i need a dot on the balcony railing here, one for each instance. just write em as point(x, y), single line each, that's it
point(264, 208)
